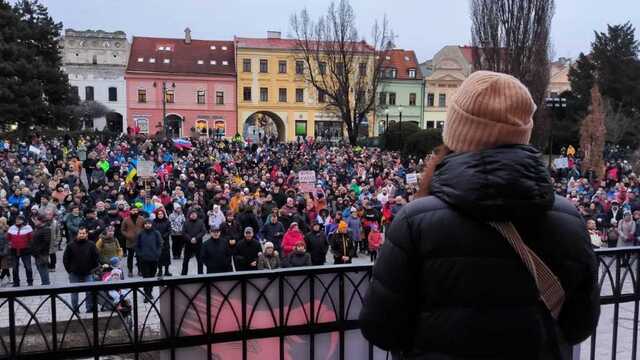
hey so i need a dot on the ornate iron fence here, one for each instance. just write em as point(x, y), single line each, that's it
point(283, 314)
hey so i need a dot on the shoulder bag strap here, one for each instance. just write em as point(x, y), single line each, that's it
point(551, 291)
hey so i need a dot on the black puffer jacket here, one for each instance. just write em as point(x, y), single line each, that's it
point(448, 286)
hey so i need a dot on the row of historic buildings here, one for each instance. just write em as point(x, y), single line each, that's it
point(252, 86)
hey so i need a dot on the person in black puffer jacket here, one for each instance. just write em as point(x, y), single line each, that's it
point(447, 285)
point(215, 252)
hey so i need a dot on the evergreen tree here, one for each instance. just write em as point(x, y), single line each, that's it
point(582, 78)
point(34, 91)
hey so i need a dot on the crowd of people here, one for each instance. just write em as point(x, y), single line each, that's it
point(610, 206)
point(229, 205)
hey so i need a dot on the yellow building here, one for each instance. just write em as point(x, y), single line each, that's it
point(274, 100)
point(450, 67)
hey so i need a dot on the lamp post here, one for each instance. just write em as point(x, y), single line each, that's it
point(165, 126)
point(400, 127)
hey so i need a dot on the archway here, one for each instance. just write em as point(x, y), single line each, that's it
point(114, 122)
point(263, 125)
point(173, 125)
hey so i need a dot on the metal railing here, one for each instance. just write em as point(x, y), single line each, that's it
point(294, 313)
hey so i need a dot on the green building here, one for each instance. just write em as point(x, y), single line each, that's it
point(401, 92)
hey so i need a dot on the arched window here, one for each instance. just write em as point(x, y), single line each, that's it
point(220, 130)
point(202, 128)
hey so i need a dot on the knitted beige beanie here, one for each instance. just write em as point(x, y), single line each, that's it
point(489, 109)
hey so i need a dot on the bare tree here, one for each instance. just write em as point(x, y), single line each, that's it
point(341, 67)
point(592, 135)
point(512, 36)
point(88, 110)
point(618, 123)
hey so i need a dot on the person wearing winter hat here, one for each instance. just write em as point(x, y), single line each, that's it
point(193, 230)
point(447, 281)
point(343, 247)
point(247, 251)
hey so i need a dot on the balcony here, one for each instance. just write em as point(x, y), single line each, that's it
point(304, 313)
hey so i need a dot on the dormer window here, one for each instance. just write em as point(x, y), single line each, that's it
point(200, 62)
point(152, 60)
point(392, 73)
point(225, 63)
point(166, 61)
point(387, 57)
point(140, 59)
point(224, 48)
point(406, 58)
point(213, 62)
point(212, 47)
point(161, 48)
point(164, 48)
point(412, 73)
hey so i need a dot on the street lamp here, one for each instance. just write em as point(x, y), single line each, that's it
point(386, 125)
point(165, 126)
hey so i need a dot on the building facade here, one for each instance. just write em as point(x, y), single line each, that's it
point(184, 87)
point(274, 99)
point(95, 62)
point(450, 67)
point(401, 91)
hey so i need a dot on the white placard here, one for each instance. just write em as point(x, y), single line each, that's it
point(412, 178)
point(307, 180)
point(144, 169)
point(34, 150)
point(561, 163)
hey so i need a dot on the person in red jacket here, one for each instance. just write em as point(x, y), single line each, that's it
point(290, 239)
point(19, 236)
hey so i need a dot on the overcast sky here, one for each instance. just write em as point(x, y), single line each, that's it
point(422, 25)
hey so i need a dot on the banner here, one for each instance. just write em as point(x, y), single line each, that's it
point(34, 150)
point(307, 180)
point(412, 178)
point(561, 163)
point(144, 169)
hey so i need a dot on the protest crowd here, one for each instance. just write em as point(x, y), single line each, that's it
point(221, 205)
point(134, 204)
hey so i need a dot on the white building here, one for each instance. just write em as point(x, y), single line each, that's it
point(96, 62)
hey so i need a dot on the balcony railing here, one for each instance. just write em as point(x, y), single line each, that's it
point(304, 313)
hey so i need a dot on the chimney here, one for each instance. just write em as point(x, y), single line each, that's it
point(274, 35)
point(187, 36)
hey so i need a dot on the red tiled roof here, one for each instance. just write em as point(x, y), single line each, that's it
point(183, 58)
point(280, 44)
point(469, 53)
point(402, 61)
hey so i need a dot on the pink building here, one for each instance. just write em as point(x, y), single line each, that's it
point(197, 79)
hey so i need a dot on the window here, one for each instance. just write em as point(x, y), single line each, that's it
point(212, 47)
point(282, 66)
point(264, 66)
point(322, 67)
point(430, 124)
point(382, 98)
point(74, 91)
point(225, 62)
point(202, 128)
point(299, 67)
point(219, 97)
point(113, 94)
point(264, 94)
point(94, 59)
point(88, 93)
point(282, 94)
point(362, 69)
point(139, 59)
point(299, 95)
point(412, 99)
point(152, 60)
point(440, 124)
point(142, 95)
point(200, 96)
point(224, 48)
point(212, 62)
point(246, 65)
point(430, 100)
point(301, 128)
point(166, 61)
point(169, 96)
point(322, 97)
point(246, 93)
point(442, 100)
point(392, 73)
point(219, 131)
point(412, 73)
point(392, 98)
